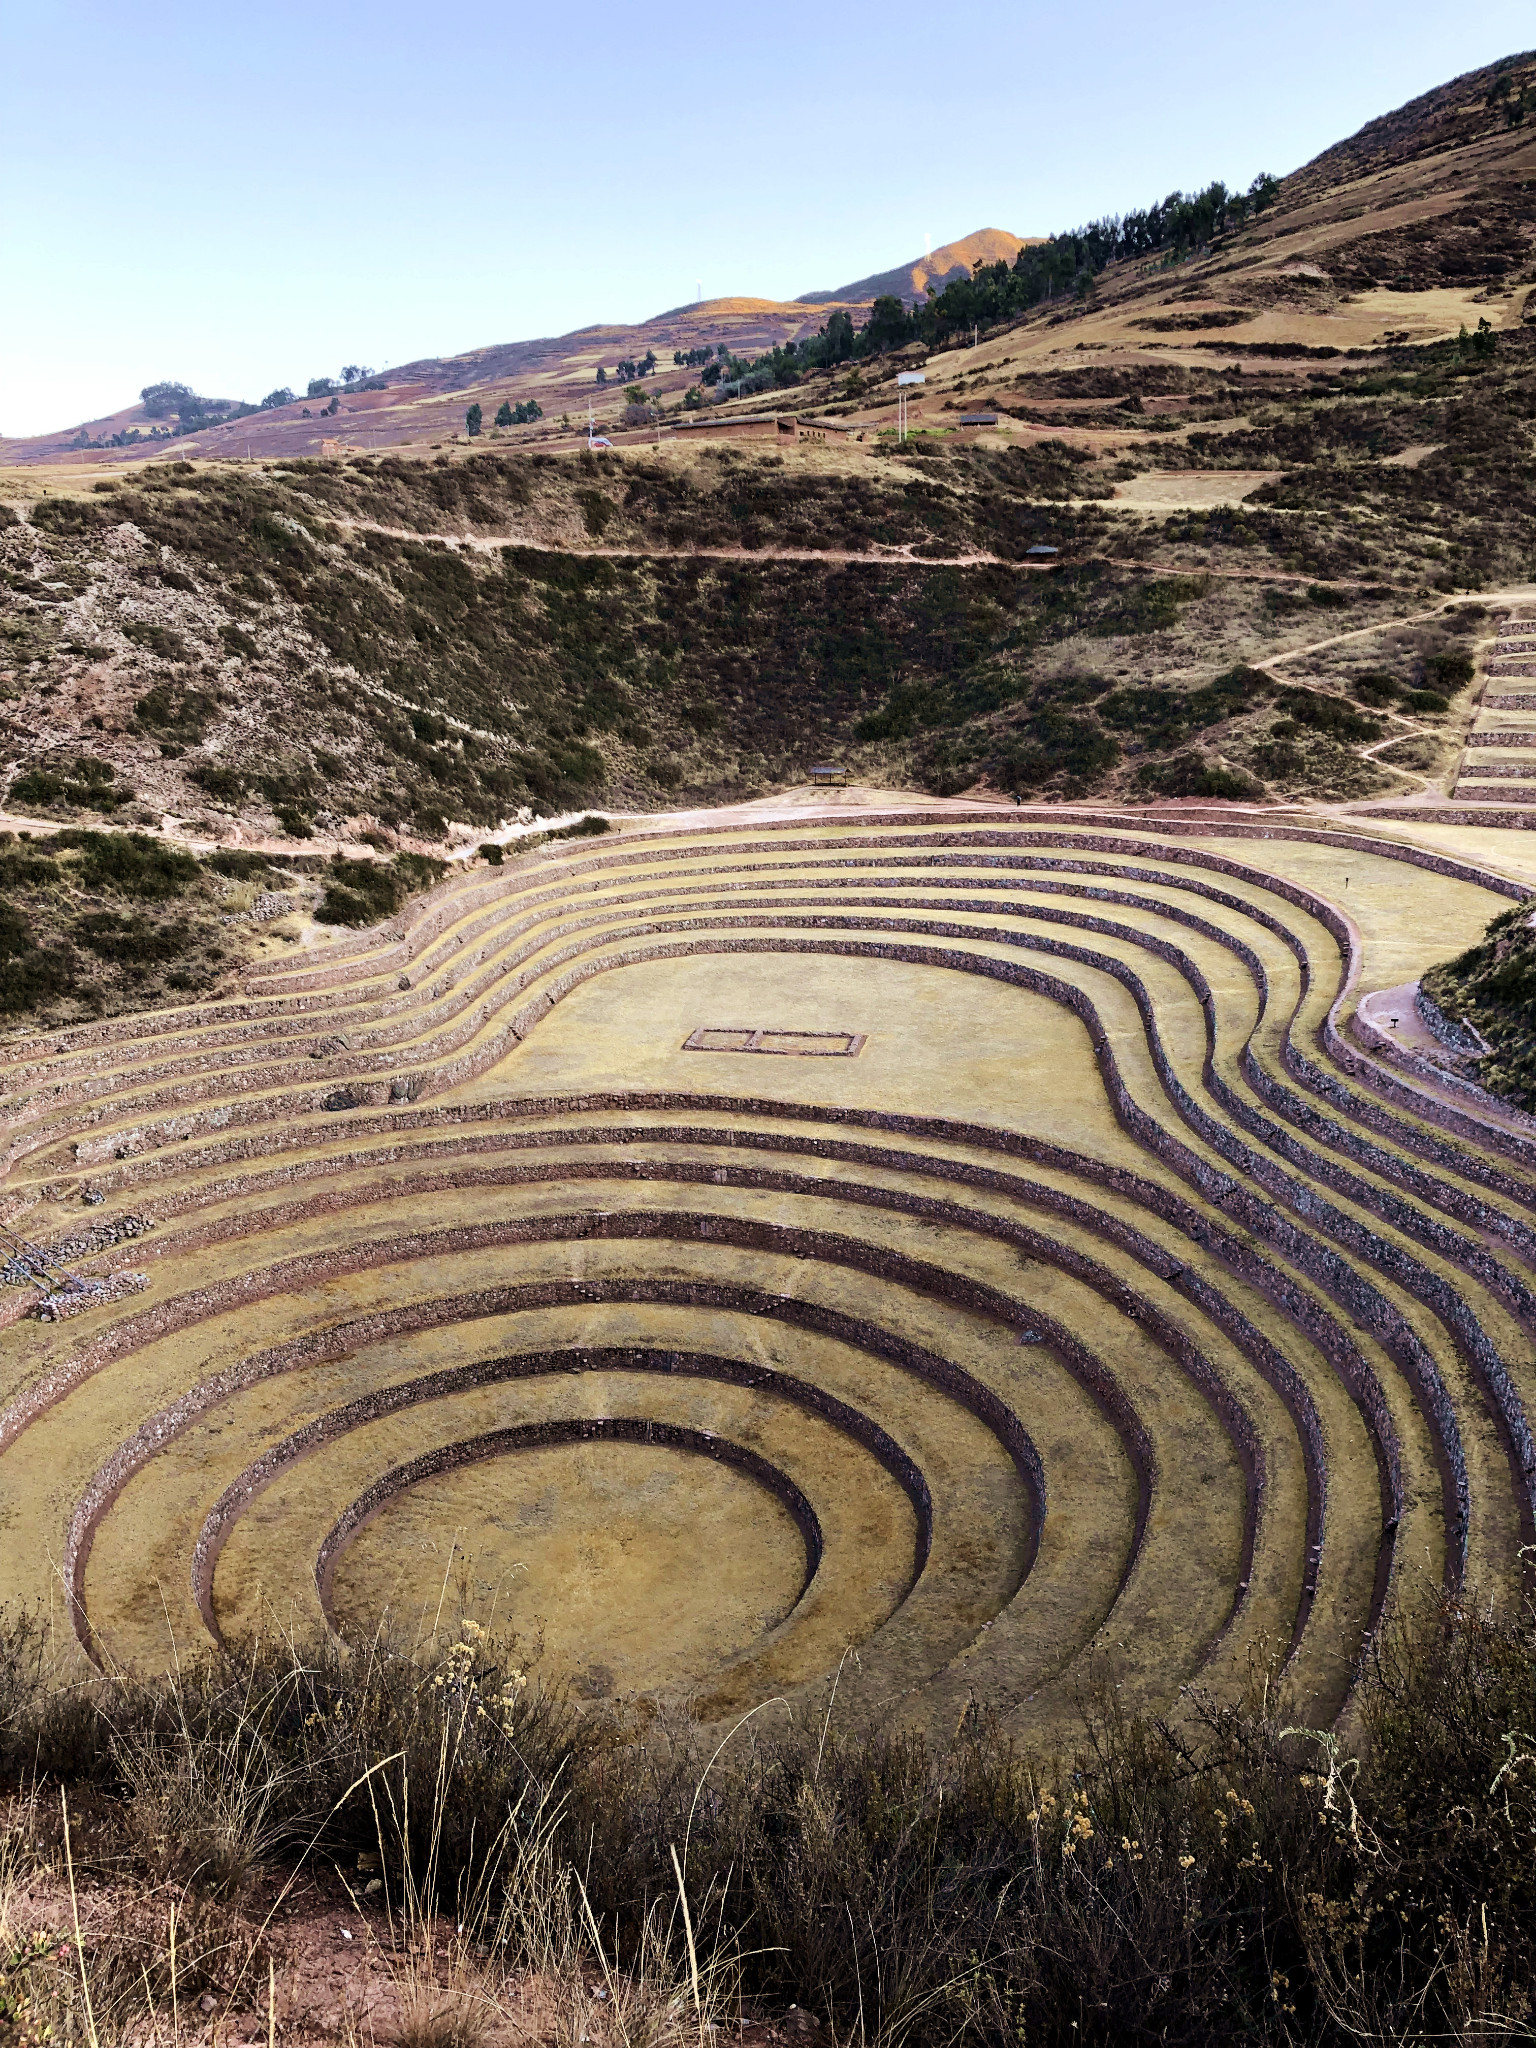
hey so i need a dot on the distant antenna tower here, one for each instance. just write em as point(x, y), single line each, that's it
point(928, 245)
point(698, 290)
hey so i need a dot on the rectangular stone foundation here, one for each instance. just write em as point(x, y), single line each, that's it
point(814, 1045)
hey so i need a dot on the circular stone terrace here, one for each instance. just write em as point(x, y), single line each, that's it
point(985, 1242)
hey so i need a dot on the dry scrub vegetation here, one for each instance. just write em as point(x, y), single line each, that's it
point(300, 645)
point(1492, 987)
point(97, 923)
point(480, 1862)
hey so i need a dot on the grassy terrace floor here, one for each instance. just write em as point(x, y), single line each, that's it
point(1111, 1308)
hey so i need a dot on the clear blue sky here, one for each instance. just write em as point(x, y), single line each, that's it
point(242, 197)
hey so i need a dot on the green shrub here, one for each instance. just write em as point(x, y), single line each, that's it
point(417, 871)
point(224, 785)
point(596, 511)
point(1448, 672)
point(35, 976)
point(159, 640)
point(37, 786)
point(1195, 774)
point(345, 906)
point(69, 515)
point(359, 892)
point(1375, 686)
point(1281, 763)
point(29, 974)
point(237, 865)
point(365, 892)
point(176, 713)
point(131, 941)
point(15, 933)
point(1054, 746)
point(24, 867)
point(903, 712)
point(237, 640)
point(590, 827)
point(131, 864)
point(1330, 715)
point(1150, 607)
point(1238, 687)
point(493, 853)
point(273, 538)
point(1161, 717)
point(86, 784)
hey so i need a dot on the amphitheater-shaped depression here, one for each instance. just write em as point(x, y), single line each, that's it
point(979, 1244)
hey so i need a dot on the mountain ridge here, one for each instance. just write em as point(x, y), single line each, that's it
point(909, 282)
point(745, 324)
point(1431, 195)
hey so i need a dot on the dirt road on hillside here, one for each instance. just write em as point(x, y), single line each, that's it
point(904, 557)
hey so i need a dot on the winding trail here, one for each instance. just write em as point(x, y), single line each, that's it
point(907, 557)
point(903, 557)
point(1523, 593)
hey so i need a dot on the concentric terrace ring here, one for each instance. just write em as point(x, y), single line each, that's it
point(1111, 1305)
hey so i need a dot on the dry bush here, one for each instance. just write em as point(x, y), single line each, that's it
point(1220, 1879)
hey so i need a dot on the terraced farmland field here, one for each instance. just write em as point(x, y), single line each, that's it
point(977, 1244)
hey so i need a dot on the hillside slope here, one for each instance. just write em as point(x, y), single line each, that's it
point(909, 282)
point(1476, 107)
point(1291, 509)
point(1436, 194)
point(426, 399)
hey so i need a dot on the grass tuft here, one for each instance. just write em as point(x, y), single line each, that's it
point(579, 1879)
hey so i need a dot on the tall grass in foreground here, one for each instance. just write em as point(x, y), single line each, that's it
point(591, 1877)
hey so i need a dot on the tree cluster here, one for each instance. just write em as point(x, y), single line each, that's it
point(1479, 344)
point(170, 400)
point(1516, 104)
point(1065, 265)
point(180, 402)
point(631, 369)
point(128, 438)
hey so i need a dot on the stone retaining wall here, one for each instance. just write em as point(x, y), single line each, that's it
point(399, 1396)
point(336, 1341)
